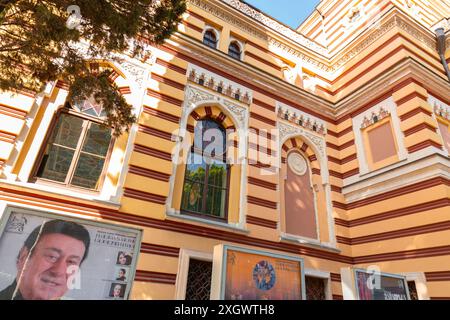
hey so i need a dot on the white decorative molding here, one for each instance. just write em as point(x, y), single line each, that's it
point(440, 108)
point(420, 166)
point(444, 23)
point(240, 113)
point(301, 119)
point(287, 130)
point(387, 106)
point(219, 84)
point(309, 59)
point(297, 163)
point(276, 26)
point(374, 117)
point(196, 96)
point(134, 69)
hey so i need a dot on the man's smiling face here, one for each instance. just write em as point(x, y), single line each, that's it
point(44, 275)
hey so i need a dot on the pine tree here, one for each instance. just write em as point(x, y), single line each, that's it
point(38, 44)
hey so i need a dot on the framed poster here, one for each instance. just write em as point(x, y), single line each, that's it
point(244, 274)
point(380, 286)
point(45, 256)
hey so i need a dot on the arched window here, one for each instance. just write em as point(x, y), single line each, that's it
point(234, 50)
point(77, 149)
point(205, 189)
point(210, 39)
point(300, 212)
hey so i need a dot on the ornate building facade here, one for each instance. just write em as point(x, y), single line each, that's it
point(336, 147)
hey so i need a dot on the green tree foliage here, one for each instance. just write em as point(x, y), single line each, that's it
point(37, 45)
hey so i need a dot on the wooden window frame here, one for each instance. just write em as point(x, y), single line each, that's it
point(87, 120)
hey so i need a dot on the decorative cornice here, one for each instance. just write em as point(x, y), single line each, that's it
point(208, 7)
point(440, 108)
point(444, 23)
point(287, 130)
point(394, 18)
point(196, 96)
point(219, 84)
point(301, 119)
point(276, 26)
point(374, 117)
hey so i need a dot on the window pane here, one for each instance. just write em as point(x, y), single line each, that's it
point(217, 175)
point(196, 168)
point(217, 182)
point(56, 163)
point(97, 140)
point(210, 138)
point(67, 131)
point(210, 39)
point(234, 51)
point(193, 196)
point(88, 171)
point(215, 202)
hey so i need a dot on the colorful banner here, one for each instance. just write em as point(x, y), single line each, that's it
point(254, 276)
point(47, 257)
point(376, 286)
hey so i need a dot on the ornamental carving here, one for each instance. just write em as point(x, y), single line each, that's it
point(196, 96)
point(287, 130)
point(276, 26)
point(374, 117)
point(136, 72)
point(297, 164)
point(440, 108)
point(310, 60)
point(219, 84)
point(299, 118)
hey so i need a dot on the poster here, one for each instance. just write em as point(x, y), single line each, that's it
point(49, 257)
point(380, 286)
point(256, 275)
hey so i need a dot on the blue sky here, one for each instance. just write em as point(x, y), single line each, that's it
point(290, 12)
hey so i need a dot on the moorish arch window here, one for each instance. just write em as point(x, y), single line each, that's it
point(234, 50)
point(299, 197)
point(77, 149)
point(205, 189)
point(210, 39)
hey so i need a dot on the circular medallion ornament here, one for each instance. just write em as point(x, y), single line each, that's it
point(297, 164)
point(264, 276)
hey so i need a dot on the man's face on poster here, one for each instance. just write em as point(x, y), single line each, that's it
point(44, 276)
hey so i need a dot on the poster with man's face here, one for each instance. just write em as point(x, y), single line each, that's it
point(49, 257)
point(254, 276)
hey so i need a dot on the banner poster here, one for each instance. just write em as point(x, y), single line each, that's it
point(253, 275)
point(380, 286)
point(49, 257)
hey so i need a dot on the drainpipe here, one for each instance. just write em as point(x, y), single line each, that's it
point(440, 34)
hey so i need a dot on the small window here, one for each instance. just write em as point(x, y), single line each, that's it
point(76, 152)
point(315, 288)
point(199, 280)
point(210, 39)
point(234, 51)
point(413, 290)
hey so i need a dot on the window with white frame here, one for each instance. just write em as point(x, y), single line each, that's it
point(211, 38)
point(77, 149)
